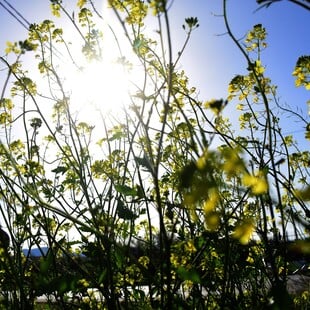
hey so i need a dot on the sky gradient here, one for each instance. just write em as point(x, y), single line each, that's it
point(211, 60)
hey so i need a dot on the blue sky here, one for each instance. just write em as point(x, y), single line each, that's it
point(211, 59)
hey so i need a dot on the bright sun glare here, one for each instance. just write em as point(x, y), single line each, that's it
point(99, 86)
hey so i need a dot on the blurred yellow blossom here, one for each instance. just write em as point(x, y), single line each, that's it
point(257, 183)
point(243, 231)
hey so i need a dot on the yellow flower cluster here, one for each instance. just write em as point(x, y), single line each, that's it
point(215, 105)
point(302, 72)
point(55, 8)
point(257, 183)
point(212, 219)
point(256, 38)
point(181, 254)
point(158, 6)
point(136, 10)
point(12, 48)
point(244, 230)
point(81, 3)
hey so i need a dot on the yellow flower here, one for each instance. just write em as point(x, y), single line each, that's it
point(259, 69)
point(144, 261)
point(81, 3)
point(257, 183)
point(240, 107)
point(233, 163)
point(189, 247)
point(201, 162)
point(212, 220)
point(215, 105)
point(211, 203)
point(250, 259)
point(243, 231)
point(55, 7)
point(12, 47)
point(83, 282)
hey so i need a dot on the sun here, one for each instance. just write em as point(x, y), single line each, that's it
point(102, 85)
point(98, 86)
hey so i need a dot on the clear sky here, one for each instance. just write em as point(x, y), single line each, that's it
point(211, 59)
point(288, 37)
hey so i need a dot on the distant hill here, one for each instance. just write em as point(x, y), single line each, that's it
point(35, 252)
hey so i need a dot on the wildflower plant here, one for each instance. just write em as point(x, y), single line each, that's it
point(167, 207)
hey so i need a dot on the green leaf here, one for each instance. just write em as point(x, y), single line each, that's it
point(126, 190)
point(60, 169)
point(304, 194)
point(144, 162)
point(140, 193)
point(186, 175)
point(124, 212)
point(46, 262)
point(102, 276)
point(120, 258)
point(116, 136)
point(191, 275)
point(86, 229)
